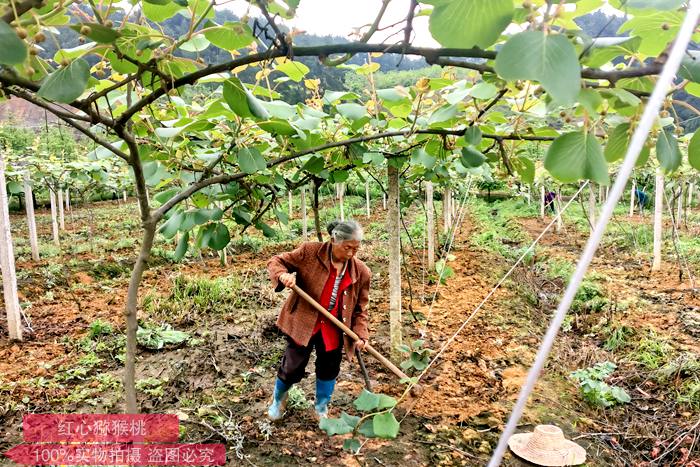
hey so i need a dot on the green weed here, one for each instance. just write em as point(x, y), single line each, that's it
point(618, 338)
point(297, 399)
point(99, 328)
point(689, 393)
point(589, 298)
point(418, 357)
point(594, 389)
point(652, 351)
point(152, 386)
point(110, 270)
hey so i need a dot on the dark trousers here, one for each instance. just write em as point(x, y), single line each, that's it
point(293, 366)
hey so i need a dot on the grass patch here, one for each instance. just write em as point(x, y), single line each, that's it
point(652, 351)
point(192, 297)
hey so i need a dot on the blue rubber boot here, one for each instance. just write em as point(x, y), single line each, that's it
point(279, 400)
point(324, 391)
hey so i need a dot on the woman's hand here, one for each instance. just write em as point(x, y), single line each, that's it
point(360, 345)
point(287, 279)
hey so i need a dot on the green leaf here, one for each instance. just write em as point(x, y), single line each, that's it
point(655, 28)
point(197, 43)
point(202, 216)
point(220, 236)
point(14, 187)
point(256, 107)
point(483, 90)
point(352, 445)
point(385, 425)
point(13, 50)
point(471, 157)
point(235, 97)
point(390, 95)
point(591, 100)
point(525, 168)
point(334, 426)
point(171, 226)
point(331, 97)
point(315, 165)
point(351, 111)
point(690, 66)
point(422, 158)
point(158, 13)
point(278, 127)
point(98, 33)
point(549, 59)
point(295, 70)
point(251, 161)
point(443, 114)
point(577, 155)
point(618, 141)
point(694, 151)
point(472, 135)
point(241, 216)
point(182, 246)
point(366, 401)
point(667, 152)
point(230, 36)
point(267, 231)
point(385, 402)
point(66, 84)
point(470, 23)
point(604, 49)
point(654, 4)
point(351, 420)
point(367, 429)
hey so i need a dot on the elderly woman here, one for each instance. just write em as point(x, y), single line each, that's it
point(331, 274)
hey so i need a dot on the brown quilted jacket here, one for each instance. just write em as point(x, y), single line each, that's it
point(311, 262)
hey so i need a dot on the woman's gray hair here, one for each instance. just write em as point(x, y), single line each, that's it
point(341, 231)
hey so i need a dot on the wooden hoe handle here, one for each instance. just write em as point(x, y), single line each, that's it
point(382, 359)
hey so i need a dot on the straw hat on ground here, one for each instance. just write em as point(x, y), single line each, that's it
point(547, 446)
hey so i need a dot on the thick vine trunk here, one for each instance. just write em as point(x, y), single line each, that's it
point(54, 217)
point(31, 219)
point(7, 262)
point(394, 260)
point(132, 317)
point(317, 216)
point(304, 218)
point(290, 203)
point(430, 221)
point(658, 219)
